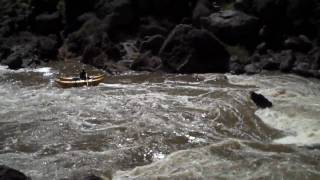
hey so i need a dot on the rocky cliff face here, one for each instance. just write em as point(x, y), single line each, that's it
point(243, 36)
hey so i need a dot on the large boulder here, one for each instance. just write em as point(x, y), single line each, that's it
point(44, 6)
point(202, 9)
point(260, 100)
point(152, 43)
point(14, 16)
point(26, 49)
point(314, 55)
point(7, 173)
point(173, 10)
point(150, 26)
point(191, 50)
point(74, 9)
point(300, 43)
point(287, 59)
point(233, 27)
point(146, 62)
point(47, 47)
point(48, 23)
point(303, 65)
point(284, 16)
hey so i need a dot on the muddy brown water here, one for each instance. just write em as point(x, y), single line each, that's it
point(159, 126)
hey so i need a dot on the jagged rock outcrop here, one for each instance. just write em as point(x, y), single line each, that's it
point(258, 34)
point(191, 50)
point(233, 27)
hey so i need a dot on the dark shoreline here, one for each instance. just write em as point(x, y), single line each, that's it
point(194, 36)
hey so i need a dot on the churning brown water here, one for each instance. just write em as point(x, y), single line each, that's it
point(160, 126)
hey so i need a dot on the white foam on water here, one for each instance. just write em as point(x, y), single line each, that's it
point(296, 109)
point(47, 71)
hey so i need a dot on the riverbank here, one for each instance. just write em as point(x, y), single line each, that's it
point(195, 36)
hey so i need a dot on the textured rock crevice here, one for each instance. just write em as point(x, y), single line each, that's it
point(95, 31)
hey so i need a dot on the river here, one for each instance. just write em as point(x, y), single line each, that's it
point(160, 126)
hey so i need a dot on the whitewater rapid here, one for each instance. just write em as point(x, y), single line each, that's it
point(160, 126)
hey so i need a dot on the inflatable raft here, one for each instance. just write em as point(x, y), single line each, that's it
point(68, 82)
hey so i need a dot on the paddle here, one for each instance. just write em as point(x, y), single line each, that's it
point(87, 79)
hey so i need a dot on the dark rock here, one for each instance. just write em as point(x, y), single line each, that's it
point(262, 48)
point(269, 63)
point(20, 51)
point(301, 13)
point(48, 23)
point(172, 10)
point(233, 27)
point(150, 26)
point(302, 65)
point(314, 55)
point(83, 176)
point(260, 100)
point(255, 58)
point(190, 50)
point(25, 49)
point(94, 56)
point(7, 173)
point(301, 43)
point(73, 9)
point(235, 66)
point(123, 13)
point(115, 67)
point(114, 51)
point(47, 6)
point(13, 61)
point(287, 60)
point(253, 68)
point(92, 177)
point(312, 147)
point(186, 20)
point(316, 74)
point(153, 43)
point(21, 56)
point(98, 49)
point(5, 51)
point(303, 69)
point(272, 36)
point(47, 47)
point(244, 6)
point(202, 9)
point(14, 16)
point(146, 62)
point(271, 11)
point(294, 16)
point(78, 40)
point(152, 29)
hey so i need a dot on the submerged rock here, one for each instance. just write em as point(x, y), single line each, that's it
point(260, 100)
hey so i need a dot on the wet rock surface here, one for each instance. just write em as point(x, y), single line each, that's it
point(7, 173)
point(260, 100)
point(95, 31)
point(233, 27)
point(190, 50)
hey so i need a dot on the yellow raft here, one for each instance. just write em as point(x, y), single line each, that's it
point(68, 82)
